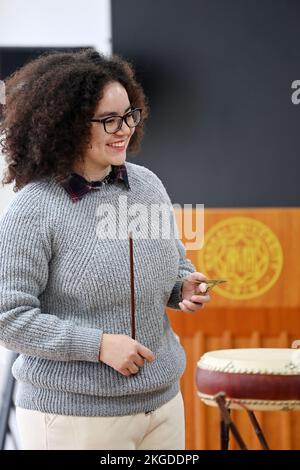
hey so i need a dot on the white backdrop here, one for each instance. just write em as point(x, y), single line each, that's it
point(58, 23)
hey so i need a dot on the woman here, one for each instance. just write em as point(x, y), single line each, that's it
point(83, 381)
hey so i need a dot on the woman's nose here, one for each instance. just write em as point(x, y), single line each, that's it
point(124, 130)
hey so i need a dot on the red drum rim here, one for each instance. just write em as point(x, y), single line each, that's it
point(249, 386)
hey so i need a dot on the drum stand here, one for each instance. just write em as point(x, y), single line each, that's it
point(227, 425)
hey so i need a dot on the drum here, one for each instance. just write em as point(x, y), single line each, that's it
point(258, 378)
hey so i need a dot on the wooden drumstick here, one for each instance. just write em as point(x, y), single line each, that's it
point(131, 286)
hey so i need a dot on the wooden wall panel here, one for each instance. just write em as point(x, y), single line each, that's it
point(285, 224)
point(269, 320)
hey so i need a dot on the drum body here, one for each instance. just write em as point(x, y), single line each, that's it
point(258, 378)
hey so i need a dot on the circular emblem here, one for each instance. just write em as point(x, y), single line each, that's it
point(246, 253)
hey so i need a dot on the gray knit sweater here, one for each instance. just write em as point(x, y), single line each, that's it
point(62, 286)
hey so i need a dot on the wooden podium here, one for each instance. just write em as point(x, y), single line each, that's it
point(258, 252)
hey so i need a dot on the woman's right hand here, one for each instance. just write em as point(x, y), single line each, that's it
point(123, 353)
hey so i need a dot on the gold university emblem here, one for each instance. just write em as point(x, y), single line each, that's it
point(246, 253)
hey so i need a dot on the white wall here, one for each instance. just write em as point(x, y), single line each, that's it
point(56, 23)
point(6, 192)
point(64, 23)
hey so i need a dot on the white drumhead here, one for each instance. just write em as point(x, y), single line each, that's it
point(253, 361)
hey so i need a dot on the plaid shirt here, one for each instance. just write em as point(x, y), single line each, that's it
point(77, 186)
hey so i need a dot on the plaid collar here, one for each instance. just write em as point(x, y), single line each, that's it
point(77, 186)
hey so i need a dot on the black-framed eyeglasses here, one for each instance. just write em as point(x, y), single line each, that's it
point(113, 124)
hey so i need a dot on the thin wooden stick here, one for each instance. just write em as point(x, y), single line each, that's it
point(131, 286)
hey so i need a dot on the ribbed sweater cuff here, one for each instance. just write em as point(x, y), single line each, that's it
point(85, 344)
point(175, 297)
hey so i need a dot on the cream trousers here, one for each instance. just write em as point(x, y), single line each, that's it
point(163, 428)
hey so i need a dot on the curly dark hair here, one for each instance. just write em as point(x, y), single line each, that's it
point(45, 124)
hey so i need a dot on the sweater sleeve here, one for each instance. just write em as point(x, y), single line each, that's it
point(24, 265)
point(186, 267)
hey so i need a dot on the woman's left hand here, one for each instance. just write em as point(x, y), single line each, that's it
point(193, 293)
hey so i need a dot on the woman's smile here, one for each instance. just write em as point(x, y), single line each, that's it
point(118, 146)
